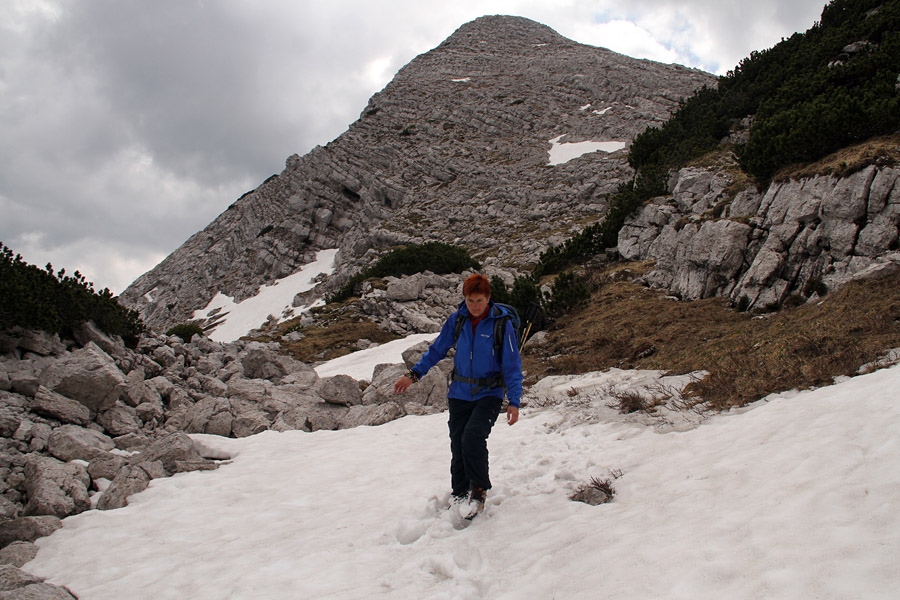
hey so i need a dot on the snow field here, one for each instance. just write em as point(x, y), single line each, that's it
point(794, 498)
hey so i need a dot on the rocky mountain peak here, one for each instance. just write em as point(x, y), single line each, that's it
point(498, 33)
point(463, 129)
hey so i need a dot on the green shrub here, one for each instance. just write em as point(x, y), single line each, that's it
point(436, 257)
point(57, 303)
point(603, 234)
point(567, 293)
point(525, 294)
point(186, 331)
point(808, 97)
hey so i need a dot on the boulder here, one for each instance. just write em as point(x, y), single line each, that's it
point(56, 406)
point(106, 466)
point(18, 553)
point(174, 451)
point(371, 415)
point(130, 480)
point(340, 389)
point(27, 529)
point(261, 362)
point(210, 415)
point(10, 338)
point(13, 578)
point(314, 417)
point(71, 442)
point(249, 423)
point(55, 488)
point(405, 289)
point(88, 332)
point(119, 420)
point(41, 342)
point(87, 375)
point(250, 390)
point(37, 591)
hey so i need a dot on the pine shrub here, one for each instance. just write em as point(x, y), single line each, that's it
point(436, 257)
point(36, 298)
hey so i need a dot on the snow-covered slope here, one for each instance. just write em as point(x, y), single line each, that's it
point(235, 319)
point(795, 497)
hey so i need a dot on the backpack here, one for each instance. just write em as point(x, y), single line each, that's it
point(499, 327)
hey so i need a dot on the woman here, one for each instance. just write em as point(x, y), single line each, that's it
point(481, 371)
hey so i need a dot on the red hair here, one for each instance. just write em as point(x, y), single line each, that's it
point(477, 284)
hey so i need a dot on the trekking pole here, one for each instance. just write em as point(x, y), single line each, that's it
point(531, 314)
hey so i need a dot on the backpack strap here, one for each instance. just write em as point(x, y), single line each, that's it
point(457, 328)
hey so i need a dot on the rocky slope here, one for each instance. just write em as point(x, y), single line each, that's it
point(760, 247)
point(462, 130)
point(87, 422)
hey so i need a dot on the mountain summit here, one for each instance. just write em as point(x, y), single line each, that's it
point(456, 148)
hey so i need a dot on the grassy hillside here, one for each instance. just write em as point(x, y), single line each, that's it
point(748, 356)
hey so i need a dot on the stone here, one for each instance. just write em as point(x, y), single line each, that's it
point(105, 466)
point(18, 553)
point(373, 415)
point(169, 449)
point(37, 591)
point(71, 442)
point(55, 488)
point(119, 420)
point(249, 423)
point(41, 342)
point(405, 289)
point(88, 332)
point(340, 389)
point(261, 362)
point(27, 529)
point(13, 578)
point(56, 406)
point(210, 415)
point(130, 480)
point(88, 376)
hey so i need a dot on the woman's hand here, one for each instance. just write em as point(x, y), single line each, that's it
point(402, 384)
point(512, 415)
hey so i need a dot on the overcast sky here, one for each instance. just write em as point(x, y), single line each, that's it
point(126, 126)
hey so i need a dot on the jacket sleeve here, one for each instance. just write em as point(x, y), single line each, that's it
point(439, 348)
point(512, 366)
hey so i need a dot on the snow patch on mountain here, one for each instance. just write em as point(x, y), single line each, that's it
point(238, 318)
point(561, 153)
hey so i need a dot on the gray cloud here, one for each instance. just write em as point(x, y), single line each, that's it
point(128, 126)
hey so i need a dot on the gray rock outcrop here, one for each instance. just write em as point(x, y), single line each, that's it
point(759, 248)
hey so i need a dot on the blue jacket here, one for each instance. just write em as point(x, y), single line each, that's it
point(475, 357)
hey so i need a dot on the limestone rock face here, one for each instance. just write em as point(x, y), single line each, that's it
point(766, 245)
point(462, 130)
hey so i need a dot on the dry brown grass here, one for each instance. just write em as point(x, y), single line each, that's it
point(748, 356)
point(884, 150)
point(337, 330)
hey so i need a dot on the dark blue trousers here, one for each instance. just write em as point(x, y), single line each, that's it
point(470, 425)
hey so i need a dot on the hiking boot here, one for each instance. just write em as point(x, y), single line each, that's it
point(476, 503)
